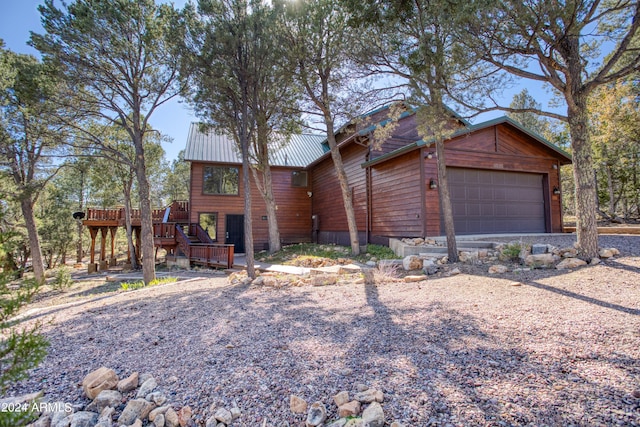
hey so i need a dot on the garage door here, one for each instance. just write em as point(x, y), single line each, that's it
point(496, 202)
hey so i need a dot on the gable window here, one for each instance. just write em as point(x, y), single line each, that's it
point(209, 223)
point(220, 180)
point(299, 178)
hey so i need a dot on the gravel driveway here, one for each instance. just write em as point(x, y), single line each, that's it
point(534, 348)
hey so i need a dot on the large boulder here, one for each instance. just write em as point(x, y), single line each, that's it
point(136, 408)
point(412, 262)
point(569, 263)
point(373, 415)
point(101, 379)
point(316, 415)
point(540, 261)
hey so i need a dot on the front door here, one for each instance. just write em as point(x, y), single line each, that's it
point(235, 232)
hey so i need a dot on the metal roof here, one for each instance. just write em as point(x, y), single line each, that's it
point(299, 150)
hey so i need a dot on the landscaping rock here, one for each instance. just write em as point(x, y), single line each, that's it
point(107, 398)
point(184, 415)
point(127, 384)
point(568, 263)
point(147, 387)
point(537, 249)
point(316, 415)
point(101, 379)
point(171, 418)
point(411, 279)
point(223, 415)
point(370, 395)
point(349, 409)
point(156, 397)
point(324, 279)
point(159, 421)
point(373, 415)
point(84, 419)
point(297, 404)
point(158, 411)
point(540, 261)
point(568, 252)
point(468, 257)
point(498, 269)
point(235, 413)
point(608, 252)
point(136, 408)
point(340, 422)
point(106, 417)
point(341, 398)
point(412, 262)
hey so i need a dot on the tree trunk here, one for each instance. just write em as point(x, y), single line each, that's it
point(264, 182)
point(79, 225)
point(133, 256)
point(347, 198)
point(146, 220)
point(34, 242)
point(248, 220)
point(265, 186)
point(612, 194)
point(445, 202)
point(584, 177)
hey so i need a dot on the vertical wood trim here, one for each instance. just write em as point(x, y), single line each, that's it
point(423, 189)
point(561, 219)
point(190, 192)
point(495, 138)
point(546, 195)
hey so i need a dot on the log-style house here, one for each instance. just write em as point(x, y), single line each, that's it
point(503, 179)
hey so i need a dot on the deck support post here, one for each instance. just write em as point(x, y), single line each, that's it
point(104, 265)
point(92, 267)
point(112, 259)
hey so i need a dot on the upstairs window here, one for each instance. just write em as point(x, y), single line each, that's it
point(299, 178)
point(220, 180)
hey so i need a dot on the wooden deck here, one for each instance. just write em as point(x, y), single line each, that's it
point(171, 231)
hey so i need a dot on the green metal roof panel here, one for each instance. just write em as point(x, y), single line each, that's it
point(210, 146)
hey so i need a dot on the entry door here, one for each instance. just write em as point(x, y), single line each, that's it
point(235, 232)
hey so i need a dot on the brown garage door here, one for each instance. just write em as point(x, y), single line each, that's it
point(496, 202)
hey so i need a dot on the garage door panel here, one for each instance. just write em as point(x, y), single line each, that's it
point(487, 201)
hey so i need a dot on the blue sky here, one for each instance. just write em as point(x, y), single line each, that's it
point(19, 17)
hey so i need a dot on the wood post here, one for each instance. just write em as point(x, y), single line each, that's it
point(112, 232)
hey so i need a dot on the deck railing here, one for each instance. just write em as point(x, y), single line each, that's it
point(179, 212)
point(200, 233)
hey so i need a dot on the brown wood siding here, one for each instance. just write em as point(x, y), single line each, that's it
point(294, 206)
point(327, 196)
point(396, 208)
point(516, 152)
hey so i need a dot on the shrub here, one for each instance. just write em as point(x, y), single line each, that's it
point(21, 348)
point(62, 279)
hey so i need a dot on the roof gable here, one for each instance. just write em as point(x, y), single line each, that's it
point(563, 156)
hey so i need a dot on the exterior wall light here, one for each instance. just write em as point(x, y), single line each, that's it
point(556, 191)
point(432, 184)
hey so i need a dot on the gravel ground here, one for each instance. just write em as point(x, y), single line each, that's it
point(533, 348)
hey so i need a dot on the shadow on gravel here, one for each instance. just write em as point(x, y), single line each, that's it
point(590, 300)
point(436, 362)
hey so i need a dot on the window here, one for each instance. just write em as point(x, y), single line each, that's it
point(209, 223)
point(299, 178)
point(220, 180)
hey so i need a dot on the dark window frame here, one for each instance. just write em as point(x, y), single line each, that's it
point(300, 173)
point(208, 172)
point(217, 221)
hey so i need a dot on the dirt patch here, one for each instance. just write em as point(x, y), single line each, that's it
point(539, 347)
